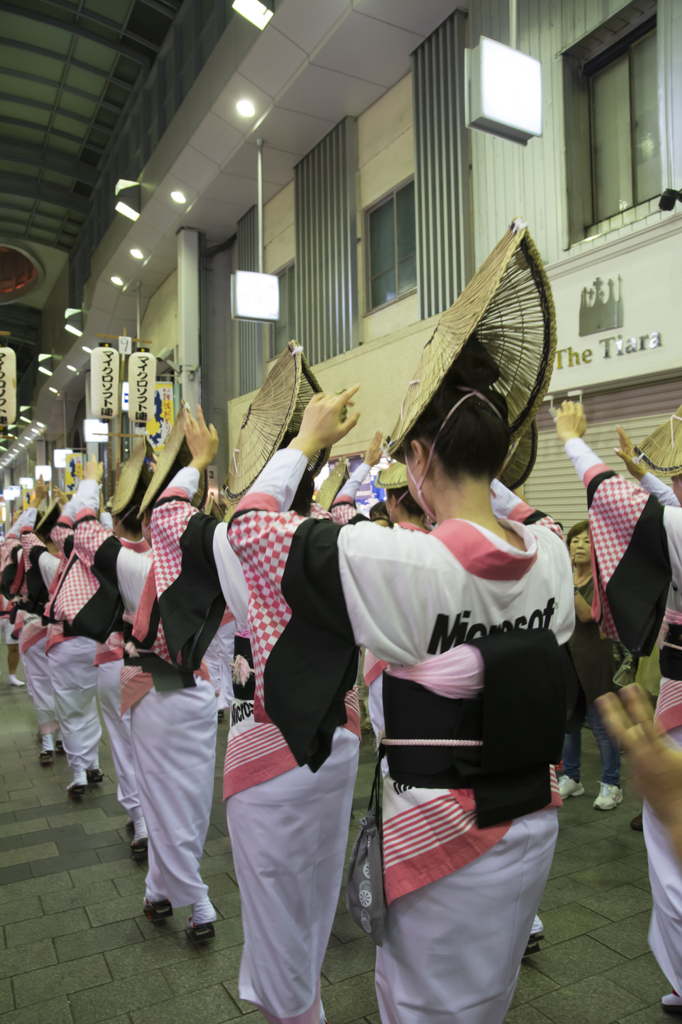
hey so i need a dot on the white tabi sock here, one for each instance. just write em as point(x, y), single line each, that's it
point(203, 911)
point(140, 829)
point(48, 743)
point(79, 779)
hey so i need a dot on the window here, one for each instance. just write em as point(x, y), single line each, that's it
point(285, 328)
point(626, 148)
point(392, 248)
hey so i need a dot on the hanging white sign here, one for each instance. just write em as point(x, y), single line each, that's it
point(141, 380)
point(8, 387)
point(104, 375)
point(125, 345)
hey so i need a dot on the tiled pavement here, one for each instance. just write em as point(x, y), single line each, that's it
point(75, 948)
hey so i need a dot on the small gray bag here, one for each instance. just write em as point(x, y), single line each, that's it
point(365, 877)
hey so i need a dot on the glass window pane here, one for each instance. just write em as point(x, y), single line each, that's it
point(381, 239)
point(407, 274)
point(407, 240)
point(645, 116)
point(383, 288)
point(611, 139)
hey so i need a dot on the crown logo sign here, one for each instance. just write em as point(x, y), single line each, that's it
point(599, 312)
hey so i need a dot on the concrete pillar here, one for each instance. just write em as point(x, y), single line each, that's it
point(188, 315)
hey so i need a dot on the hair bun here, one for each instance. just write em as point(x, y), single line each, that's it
point(474, 367)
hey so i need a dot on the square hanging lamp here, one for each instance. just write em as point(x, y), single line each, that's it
point(503, 91)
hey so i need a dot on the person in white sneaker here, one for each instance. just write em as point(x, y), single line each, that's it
point(595, 666)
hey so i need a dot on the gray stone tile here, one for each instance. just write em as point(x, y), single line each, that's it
point(217, 847)
point(28, 853)
point(97, 940)
point(203, 971)
point(617, 904)
point(521, 1015)
point(607, 876)
point(643, 883)
point(20, 804)
point(628, 937)
point(48, 927)
point(106, 1001)
point(588, 832)
point(227, 906)
point(15, 873)
point(349, 959)
point(568, 921)
point(560, 891)
point(20, 828)
point(62, 979)
point(27, 958)
point(120, 909)
point(256, 1017)
point(129, 884)
point(349, 999)
point(67, 862)
point(591, 1001)
point(98, 872)
point(345, 929)
point(532, 983)
point(6, 997)
point(209, 1005)
point(105, 824)
point(650, 1015)
point(129, 961)
point(20, 910)
point(51, 1011)
point(82, 896)
point(642, 976)
point(569, 962)
point(600, 852)
point(34, 887)
point(218, 865)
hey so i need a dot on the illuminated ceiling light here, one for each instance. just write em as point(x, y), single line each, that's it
point(54, 391)
point(23, 408)
point(74, 321)
point(43, 356)
point(137, 253)
point(70, 367)
point(41, 425)
point(129, 203)
point(178, 197)
point(24, 419)
point(504, 91)
point(257, 13)
point(73, 330)
point(246, 108)
point(117, 281)
point(44, 369)
point(85, 348)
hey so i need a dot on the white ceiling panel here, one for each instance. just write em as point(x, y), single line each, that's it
point(422, 17)
point(233, 190)
point(143, 235)
point(215, 138)
point(194, 169)
point(291, 131)
point(214, 217)
point(368, 49)
point(278, 166)
point(159, 215)
point(329, 94)
point(240, 88)
point(160, 264)
point(306, 22)
point(272, 61)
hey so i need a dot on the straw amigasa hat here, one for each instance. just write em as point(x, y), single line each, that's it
point(508, 305)
point(174, 456)
point(135, 476)
point(277, 410)
point(333, 484)
point(521, 459)
point(392, 477)
point(661, 450)
point(48, 519)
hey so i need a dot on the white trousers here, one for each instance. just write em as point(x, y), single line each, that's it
point(39, 684)
point(109, 688)
point(74, 680)
point(289, 838)
point(173, 738)
point(665, 873)
point(219, 657)
point(452, 949)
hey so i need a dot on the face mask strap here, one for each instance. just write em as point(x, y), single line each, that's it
point(470, 393)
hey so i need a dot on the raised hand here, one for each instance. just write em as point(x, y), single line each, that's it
point(93, 470)
point(40, 492)
point(322, 424)
point(202, 440)
point(626, 452)
point(61, 497)
point(570, 421)
point(374, 452)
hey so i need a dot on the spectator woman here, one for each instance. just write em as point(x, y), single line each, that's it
point(595, 665)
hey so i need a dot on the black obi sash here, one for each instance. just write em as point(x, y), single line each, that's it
point(520, 716)
point(165, 676)
point(671, 659)
point(242, 645)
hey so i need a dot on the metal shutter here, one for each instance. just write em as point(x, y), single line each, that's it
point(553, 486)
